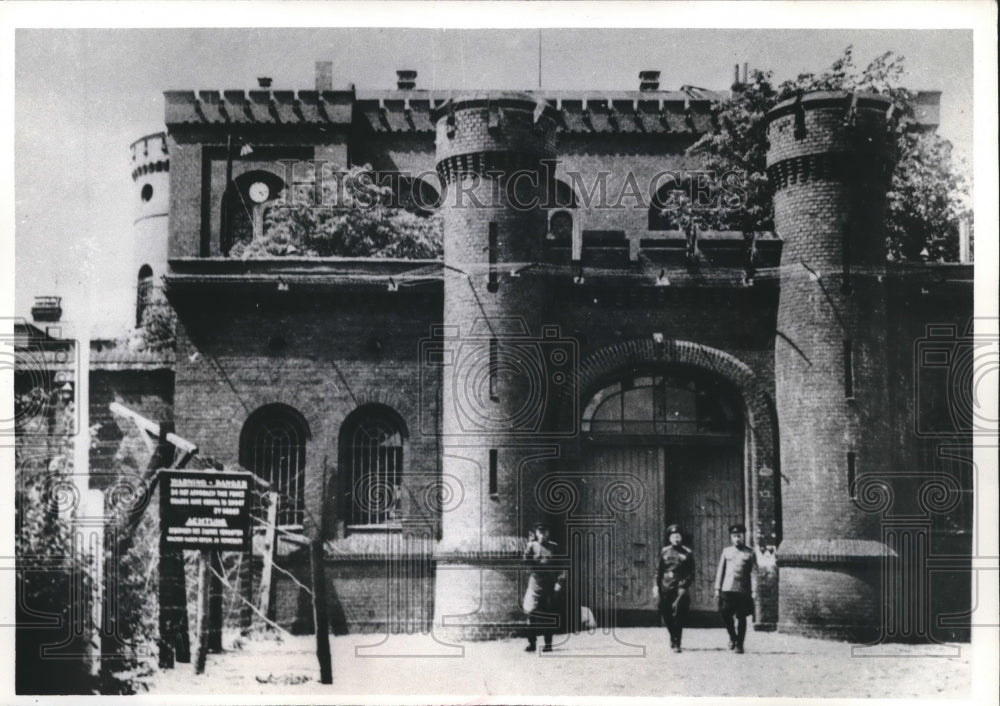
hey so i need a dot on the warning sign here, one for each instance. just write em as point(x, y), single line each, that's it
point(205, 510)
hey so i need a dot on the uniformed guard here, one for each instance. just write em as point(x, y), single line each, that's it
point(542, 597)
point(673, 582)
point(735, 586)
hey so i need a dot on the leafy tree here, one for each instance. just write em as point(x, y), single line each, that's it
point(157, 332)
point(926, 194)
point(47, 563)
point(357, 217)
point(132, 534)
point(924, 201)
point(740, 145)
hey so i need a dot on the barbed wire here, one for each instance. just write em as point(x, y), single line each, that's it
point(254, 608)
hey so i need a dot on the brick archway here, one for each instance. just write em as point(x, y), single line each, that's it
point(761, 479)
point(761, 458)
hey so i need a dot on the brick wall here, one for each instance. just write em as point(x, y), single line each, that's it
point(198, 174)
point(379, 595)
point(626, 160)
point(930, 444)
point(149, 393)
point(829, 601)
point(325, 358)
point(828, 169)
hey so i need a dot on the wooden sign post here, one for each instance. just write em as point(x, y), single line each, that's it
point(208, 511)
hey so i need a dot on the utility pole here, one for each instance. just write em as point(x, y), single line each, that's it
point(539, 58)
point(321, 620)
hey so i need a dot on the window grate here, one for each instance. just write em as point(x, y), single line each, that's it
point(274, 448)
point(376, 463)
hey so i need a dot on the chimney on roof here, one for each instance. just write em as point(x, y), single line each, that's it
point(324, 76)
point(47, 309)
point(406, 79)
point(649, 80)
point(264, 81)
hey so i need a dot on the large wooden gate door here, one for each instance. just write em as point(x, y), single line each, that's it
point(704, 494)
point(628, 496)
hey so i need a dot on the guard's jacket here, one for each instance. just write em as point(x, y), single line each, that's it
point(736, 567)
point(676, 568)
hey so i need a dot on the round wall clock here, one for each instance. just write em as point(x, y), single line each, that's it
point(259, 192)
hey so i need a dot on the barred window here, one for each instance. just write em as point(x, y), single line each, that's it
point(273, 446)
point(371, 442)
point(144, 292)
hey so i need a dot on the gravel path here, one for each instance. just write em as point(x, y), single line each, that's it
point(631, 662)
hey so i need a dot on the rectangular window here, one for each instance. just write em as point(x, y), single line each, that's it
point(493, 473)
point(851, 460)
point(848, 370)
point(845, 286)
point(493, 284)
point(494, 363)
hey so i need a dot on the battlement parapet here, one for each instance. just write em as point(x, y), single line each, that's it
point(824, 134)
point(262, 107)
point(500, 131)
point(149, 154)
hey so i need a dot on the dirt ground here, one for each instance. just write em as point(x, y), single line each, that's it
point(629, 662)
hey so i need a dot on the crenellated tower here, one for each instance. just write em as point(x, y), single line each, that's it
point(151, 177)
point(829, 161)
point(500, 358)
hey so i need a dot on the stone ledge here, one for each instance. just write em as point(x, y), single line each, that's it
point(848, 632)
point(505, 549)
point(381, 546)
point(798, 552)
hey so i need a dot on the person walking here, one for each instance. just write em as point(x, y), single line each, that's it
point(735, 586)
point(673, 581)
point(545, 585)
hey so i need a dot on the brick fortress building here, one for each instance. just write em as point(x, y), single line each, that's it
point(596, 367)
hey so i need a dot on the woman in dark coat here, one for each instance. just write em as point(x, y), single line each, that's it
point(542, 599)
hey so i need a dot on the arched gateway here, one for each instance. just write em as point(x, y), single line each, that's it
point(670, 431)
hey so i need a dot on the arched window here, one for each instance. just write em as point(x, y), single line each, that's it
point(561, 200)
point(372, 441)
point(273, 446)
point(673, 403)
point(143, 292)
point(561, 226)
point(243, 205)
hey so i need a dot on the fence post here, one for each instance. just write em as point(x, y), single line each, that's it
point(201, 655)
point(269, 540)
point(215, 602)
point(320, 613)
point(320, 618)
point(174, 644)
point(245, 579)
